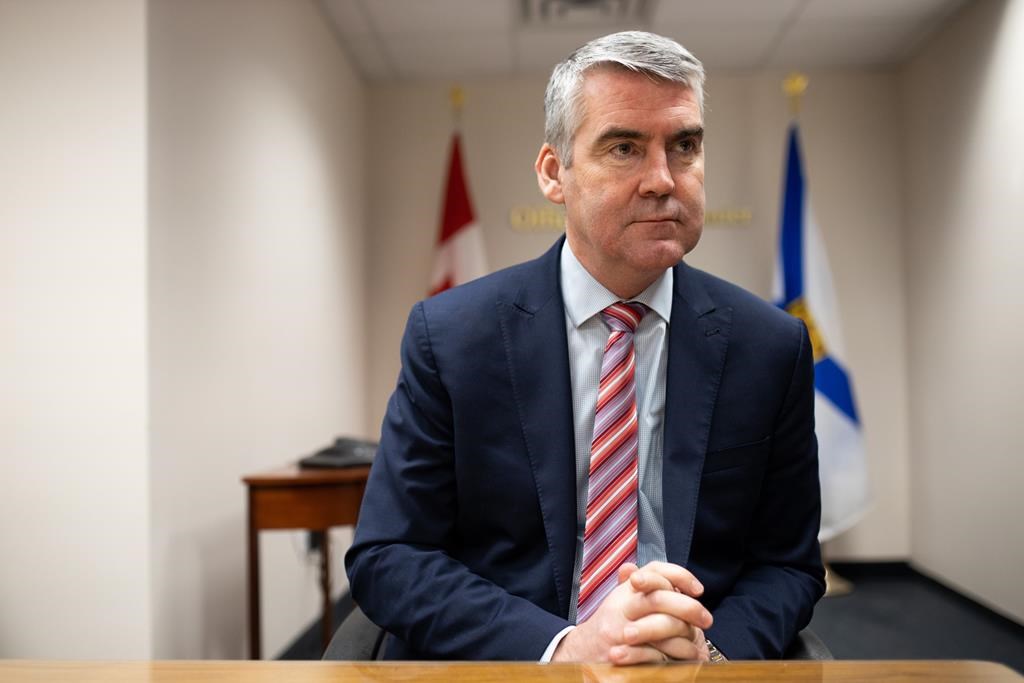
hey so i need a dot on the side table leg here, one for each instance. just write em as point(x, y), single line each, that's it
point(325, 587)
point(254, 583)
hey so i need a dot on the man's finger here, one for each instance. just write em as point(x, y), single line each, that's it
point(644, 581)
point(682, 649)
point(681, 579)
point(656, 627)
point(625, 655)
point(680, 606)
point(626, 570)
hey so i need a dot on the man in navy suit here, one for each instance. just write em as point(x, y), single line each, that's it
point(471, 537)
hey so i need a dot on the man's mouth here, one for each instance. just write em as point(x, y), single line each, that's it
point(665, 219)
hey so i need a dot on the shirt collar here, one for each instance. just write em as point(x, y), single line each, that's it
point(585, 297)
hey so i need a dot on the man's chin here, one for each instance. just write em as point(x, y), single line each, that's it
point(663, 254)
point(673, 237)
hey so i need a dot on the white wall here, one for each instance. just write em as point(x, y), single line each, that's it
point(74, 580)
point(853, 159)
point(143, 370)
point(256, 299)
point(965, 189)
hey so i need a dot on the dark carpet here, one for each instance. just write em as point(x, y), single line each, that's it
point(893, 613)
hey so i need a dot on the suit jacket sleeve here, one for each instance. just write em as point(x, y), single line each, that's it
point(403, 566)
point(782, 577)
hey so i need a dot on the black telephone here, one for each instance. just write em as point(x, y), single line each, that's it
point(344, 452)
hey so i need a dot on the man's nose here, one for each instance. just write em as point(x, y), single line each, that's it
point(657, 177)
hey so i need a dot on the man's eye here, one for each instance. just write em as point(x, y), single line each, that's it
point(688, 146)
point(623, 149)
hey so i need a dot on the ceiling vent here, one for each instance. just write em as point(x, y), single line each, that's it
point(583, 13)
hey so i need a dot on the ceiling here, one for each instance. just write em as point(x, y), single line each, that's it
point(401, 40)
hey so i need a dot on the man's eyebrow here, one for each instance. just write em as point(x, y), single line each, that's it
point(618, 134)
point(630, 134)
point(695, 132)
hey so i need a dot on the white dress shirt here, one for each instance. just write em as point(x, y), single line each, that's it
point(584, 299)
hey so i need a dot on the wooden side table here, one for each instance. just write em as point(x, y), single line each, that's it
point(296, 498)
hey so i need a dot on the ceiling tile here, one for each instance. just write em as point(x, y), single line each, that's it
point(450, 55)
point(679, 13)
point(348, 17)
point(727, 46)
point(540, 49)
point(424, 38)
point(577, 14)
point(850, 43)
point(817, 10)
point(439, 16)
point(735, 45)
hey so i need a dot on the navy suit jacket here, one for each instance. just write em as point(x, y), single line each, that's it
point(466, 539)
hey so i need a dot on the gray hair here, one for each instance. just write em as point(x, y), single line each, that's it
point(647, 53)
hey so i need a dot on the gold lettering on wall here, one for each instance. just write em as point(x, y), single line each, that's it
point(536, 219)
point(552, 218)
point(728, 216)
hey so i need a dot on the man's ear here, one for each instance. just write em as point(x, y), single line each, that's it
point(549, 174)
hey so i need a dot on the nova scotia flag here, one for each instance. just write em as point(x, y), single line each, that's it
point(803, 287)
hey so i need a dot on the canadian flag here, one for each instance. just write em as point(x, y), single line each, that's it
point(460, 244)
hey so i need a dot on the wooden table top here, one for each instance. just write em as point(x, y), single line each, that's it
point(293, 475)
point(15, 671)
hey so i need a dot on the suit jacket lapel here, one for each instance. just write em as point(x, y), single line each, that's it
point(536, 348)
point(698, 338)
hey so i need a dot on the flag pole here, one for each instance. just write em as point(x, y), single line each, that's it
point(794, 86)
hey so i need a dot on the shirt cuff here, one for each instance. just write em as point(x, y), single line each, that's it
point(550, 652)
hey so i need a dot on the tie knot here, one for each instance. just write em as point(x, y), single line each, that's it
point(624, 317)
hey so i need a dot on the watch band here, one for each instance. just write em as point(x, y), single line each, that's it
point(714, 654)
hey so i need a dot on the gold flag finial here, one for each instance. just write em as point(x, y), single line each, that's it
point(794, 87)
point(457, 97)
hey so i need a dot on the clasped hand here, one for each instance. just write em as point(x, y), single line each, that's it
point(652, 616)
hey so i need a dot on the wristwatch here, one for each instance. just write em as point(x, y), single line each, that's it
point(714, 653)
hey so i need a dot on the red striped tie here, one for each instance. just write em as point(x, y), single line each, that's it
point(610, 534)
